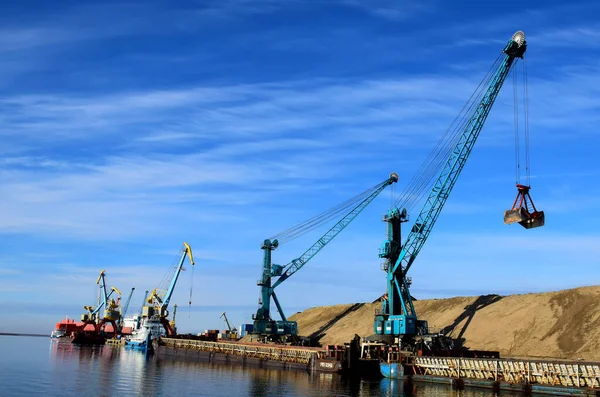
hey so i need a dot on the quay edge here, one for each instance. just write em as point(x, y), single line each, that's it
point(544, 377)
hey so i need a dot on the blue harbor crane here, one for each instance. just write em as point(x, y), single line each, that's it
point(397, 321)
point(264, 324)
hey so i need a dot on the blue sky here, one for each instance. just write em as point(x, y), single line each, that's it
point(130, 127)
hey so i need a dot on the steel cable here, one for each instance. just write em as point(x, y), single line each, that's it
point(424, 178)
point(318, 220)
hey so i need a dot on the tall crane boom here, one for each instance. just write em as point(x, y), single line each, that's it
point(263, 323)
point(112, 313)
point(159, 299)
point(227, 322)
point(126, 307)
point(397, 316)
point(162, 301)
point(103, 294)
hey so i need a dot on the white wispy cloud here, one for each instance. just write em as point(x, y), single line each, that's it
point(275, 135)
point(574, 37)
point(224, 162)
point(390, 9)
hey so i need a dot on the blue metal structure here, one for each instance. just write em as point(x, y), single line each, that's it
point(112, 315)
point(126, 307)
point(397, 316)
point(160, 299)
point(93, 311)
point(263, 323)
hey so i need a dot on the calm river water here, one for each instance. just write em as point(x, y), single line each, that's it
point(40, 366)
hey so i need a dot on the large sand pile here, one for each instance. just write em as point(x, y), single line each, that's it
point(563, 324)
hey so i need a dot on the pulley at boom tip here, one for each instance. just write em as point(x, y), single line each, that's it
point(519, 37)
point(517, 45)
point(394, 177)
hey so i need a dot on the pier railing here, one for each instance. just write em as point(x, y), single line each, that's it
point(267, 352)
point(571, 374)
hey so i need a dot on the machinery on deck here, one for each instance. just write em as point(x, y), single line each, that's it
point(397, 320)
point(133, 322)
point(112, 315)
point(125, 308)
point(172, 322)
point(264, 324)
point(227, 322)
point(159, 298)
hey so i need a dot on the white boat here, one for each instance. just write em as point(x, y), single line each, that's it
point(142, 337)
point(58, 333)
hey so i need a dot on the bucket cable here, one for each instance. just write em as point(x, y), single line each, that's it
point(516, 124)
point(424, 178)
point(526, 120)
point(191, 290)
point(318, 220)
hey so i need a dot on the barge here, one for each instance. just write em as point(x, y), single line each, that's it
point(363, 359)
point(329, 359)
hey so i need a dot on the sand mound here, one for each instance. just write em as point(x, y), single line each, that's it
point(563, 324)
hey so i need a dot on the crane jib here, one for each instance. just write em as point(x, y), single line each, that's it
point(298, 263)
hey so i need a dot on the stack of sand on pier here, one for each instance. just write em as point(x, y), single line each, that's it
point(563, 324)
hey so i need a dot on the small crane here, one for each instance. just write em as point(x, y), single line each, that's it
point(172, 323)
point(124, 313)
point(227, 321)
point(159, 299)
point(111, 309)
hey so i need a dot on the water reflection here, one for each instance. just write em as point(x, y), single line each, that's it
point(110, 370)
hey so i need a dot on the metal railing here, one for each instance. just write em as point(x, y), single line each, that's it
point(571, 374)
point(284, 354)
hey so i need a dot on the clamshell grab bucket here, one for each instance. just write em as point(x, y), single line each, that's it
point(521, 211)
point(524, 218)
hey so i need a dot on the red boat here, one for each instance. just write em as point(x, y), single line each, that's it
point(87, 338)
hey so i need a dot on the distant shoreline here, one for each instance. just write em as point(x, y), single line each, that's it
point(19, 334)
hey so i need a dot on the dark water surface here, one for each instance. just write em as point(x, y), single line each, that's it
point(40, 366)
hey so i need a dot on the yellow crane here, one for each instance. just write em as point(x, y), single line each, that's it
point(172, 323)
point(159, 298)
point(232, 331)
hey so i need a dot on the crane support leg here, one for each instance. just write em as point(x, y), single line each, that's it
point(279, 309)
